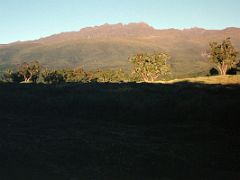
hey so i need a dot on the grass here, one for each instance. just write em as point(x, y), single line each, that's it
point(223, 80)
point(125, 131)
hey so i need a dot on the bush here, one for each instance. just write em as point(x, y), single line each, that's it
point(52, 77)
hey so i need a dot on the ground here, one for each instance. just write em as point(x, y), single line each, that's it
point(184, 130)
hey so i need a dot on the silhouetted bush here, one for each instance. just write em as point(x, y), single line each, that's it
point(232, 71)
point(14, 77)
point(52, 77)
point(213, 72)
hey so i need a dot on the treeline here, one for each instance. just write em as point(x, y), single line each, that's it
point(33, 72)
point(80, 75)
point(145, 67)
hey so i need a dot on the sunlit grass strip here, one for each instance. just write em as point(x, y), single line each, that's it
point(229, 79)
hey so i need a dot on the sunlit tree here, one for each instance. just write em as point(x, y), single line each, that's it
point(149, 67)
point(29, 71)
point(223, 55)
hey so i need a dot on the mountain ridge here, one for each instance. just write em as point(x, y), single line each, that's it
point(146, 26)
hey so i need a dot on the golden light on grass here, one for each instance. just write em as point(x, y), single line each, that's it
point(224, 80)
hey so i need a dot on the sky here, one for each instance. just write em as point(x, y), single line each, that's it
point(32, 19)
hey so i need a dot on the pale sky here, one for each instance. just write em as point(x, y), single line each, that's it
point(32, 19)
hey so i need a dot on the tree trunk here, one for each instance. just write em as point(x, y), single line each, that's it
point(223, 69)
point(224, 72)
point(27, 79)
point(152, 80)
point(145, 78)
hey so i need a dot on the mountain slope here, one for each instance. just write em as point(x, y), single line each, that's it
point(109, 46)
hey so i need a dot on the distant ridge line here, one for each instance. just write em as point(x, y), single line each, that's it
point(121, 26)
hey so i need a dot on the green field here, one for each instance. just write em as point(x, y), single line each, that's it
point(184, 130)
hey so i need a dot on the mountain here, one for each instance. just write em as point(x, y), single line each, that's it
point(109, 46)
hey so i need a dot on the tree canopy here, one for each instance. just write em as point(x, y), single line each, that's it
point(29, 71)
point(150, 66)
point(223, 55)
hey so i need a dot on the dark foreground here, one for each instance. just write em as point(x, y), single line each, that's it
point(119, 132)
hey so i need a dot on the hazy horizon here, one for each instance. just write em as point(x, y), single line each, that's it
point(30, 20)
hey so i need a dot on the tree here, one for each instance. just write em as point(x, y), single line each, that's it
point(76, 75)
point(103, 76)
point(119, 76)
point(30, 71)
point(150, 66)
point(109, 76)
point(52, 77)
point(223, 55)
point(10, 76)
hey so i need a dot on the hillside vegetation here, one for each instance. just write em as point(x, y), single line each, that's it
point(109, 46)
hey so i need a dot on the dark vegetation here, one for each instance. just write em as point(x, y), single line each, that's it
point(119, 131)
point(47, 76)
